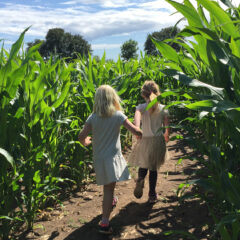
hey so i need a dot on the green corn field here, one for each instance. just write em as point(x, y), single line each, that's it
point(45, 102)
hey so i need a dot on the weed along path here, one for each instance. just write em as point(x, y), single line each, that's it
point(133, 218)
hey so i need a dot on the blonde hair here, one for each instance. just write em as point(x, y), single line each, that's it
point(106, 101)
point(149, 87)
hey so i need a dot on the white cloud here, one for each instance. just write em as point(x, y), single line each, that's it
point(105, 46)
point(158, 4)
point(84, 17)
point(117, 4)
point(87, 2)
point(102, 3)
point(91, 25)
point(112, 22)
point(69, 3)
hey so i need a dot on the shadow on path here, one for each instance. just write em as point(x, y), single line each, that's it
point(150, 222)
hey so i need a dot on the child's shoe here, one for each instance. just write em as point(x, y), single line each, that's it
point(105, 229)
point(152, 199)
point(138, 191)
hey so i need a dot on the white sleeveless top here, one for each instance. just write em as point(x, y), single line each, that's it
point(152, 123)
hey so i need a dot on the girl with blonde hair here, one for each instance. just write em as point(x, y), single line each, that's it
point(109, 164)
point(150, 152)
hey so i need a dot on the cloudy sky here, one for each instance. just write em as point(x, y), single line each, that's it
point(105, 24)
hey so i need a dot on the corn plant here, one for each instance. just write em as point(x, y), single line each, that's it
point(209, 67)
point(32, 93)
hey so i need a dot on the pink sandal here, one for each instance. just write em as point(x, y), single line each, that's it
point(105, 229)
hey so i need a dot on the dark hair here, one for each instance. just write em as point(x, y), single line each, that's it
point(149, 87)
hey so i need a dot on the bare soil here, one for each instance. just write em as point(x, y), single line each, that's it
point(133, 218)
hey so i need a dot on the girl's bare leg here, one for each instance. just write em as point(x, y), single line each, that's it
point(108, 191)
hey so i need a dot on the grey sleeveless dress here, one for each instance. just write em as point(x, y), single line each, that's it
point(108, 161)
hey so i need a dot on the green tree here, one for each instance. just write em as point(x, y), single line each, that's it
point(35, 42)
point(165, 33)
point(129, 49)
point(63, 44)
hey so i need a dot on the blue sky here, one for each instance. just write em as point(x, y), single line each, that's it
point(105, 24)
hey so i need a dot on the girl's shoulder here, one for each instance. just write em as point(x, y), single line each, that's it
point(90, 118)
point(120, 115)
point(161, 106)
point(93, 115)
point(141, 107)
point(162, 109)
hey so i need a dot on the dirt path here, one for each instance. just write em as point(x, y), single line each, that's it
point(132, 218)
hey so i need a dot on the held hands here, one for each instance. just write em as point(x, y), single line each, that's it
point(139, 135)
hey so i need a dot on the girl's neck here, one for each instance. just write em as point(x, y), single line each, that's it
point(148, 100)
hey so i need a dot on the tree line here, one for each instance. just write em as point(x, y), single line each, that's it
point(64, 44)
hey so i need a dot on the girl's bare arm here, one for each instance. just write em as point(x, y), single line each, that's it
point(83, 137)
point(132, 128)
point(167, 130)
point(137, 118)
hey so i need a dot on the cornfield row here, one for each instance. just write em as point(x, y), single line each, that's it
point(44, 104)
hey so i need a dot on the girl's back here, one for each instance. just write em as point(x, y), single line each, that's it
point(152, 122)
point(106, 135)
